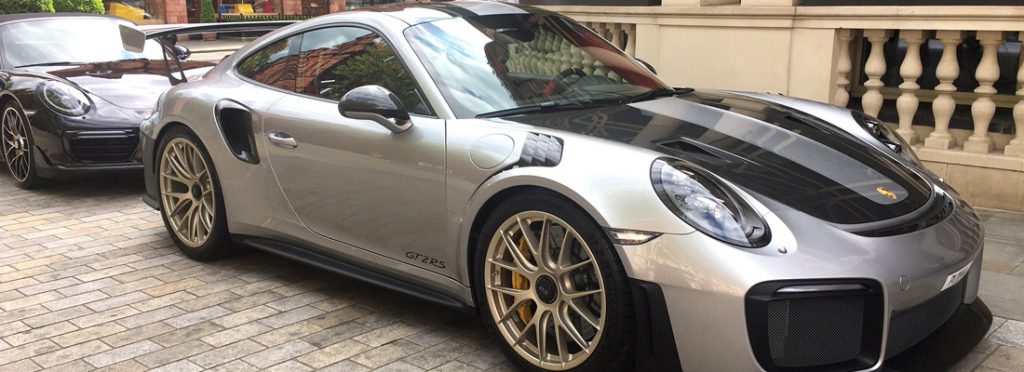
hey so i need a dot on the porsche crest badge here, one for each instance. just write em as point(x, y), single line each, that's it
point(885, 192)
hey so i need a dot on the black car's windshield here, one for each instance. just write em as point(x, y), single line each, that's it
point(67, 40)
point(486, 65)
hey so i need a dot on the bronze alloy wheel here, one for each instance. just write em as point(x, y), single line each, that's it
point(544, 290)
point(17, 151)
point(187, 193)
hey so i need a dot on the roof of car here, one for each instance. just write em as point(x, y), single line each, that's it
point(415, 12)
point(8, 18)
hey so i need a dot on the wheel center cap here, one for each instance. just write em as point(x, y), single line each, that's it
point(547, 290)
point(197, 192)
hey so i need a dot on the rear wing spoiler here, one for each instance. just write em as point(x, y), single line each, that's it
point(134, 38)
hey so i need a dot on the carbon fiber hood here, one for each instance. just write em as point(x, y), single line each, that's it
point(775, 151)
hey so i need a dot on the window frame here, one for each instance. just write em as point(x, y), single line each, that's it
point(295, 50)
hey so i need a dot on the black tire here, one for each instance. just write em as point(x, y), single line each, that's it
point(615, 350)
point(218, 243)
point(29, 178)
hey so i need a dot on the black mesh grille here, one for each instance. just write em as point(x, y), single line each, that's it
point(909, 327)
point(815, 331)
point(820, 325)
point(103, 147)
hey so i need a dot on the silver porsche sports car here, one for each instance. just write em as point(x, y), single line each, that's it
point(509, 160)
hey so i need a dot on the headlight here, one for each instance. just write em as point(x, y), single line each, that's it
point(64, 99)
point(884, 134)
point(708, 205)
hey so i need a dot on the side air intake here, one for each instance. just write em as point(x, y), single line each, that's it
point(235, 122)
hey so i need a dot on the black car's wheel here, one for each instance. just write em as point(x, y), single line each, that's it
point(551, 287)
point(190, 196)
point(17, 147)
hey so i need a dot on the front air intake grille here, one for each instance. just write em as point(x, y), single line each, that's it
point(113, 146)
point(815, 331)
point(823, 325)
point(908, 327)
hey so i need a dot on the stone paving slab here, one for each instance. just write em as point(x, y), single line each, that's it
point(89, 280)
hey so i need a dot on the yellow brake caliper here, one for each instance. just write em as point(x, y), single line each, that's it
point(520, 282)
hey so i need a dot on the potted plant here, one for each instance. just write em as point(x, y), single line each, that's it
point(206, 15)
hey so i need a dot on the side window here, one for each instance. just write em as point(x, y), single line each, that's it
point(271, 65)
point(335, 60)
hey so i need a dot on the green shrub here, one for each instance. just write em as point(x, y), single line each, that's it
point(79, 6)
point(206, 14)
point(26, 6)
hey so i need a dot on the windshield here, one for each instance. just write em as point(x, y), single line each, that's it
point(484, 64)
point(69, 40)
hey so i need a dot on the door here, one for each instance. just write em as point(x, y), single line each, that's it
point(355, 181)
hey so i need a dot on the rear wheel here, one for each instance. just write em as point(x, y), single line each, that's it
point(552, 289)
point(17, 147)
point(190, 197)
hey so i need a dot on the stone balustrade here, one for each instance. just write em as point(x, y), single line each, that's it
point(983, 100)
point(621, 35)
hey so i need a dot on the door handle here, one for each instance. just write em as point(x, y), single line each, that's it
point(282, 139)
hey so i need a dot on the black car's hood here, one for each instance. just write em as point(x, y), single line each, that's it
point(130, 84)
point(769, 149)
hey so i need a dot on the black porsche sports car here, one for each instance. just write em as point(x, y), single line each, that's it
point(72, 95)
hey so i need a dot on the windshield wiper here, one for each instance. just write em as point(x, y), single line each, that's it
point(543, 107)
point(655, 93)
point(50, 64)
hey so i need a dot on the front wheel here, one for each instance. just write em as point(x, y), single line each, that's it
point(17, 147)
point(552, 289)
point(190, 198)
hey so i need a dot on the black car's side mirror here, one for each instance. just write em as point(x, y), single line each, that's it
point(648, 65)
point(374, 102)
point(182, 52)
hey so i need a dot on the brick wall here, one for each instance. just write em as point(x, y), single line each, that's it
point(175, 12)
point(291, 7)
point(337, 5)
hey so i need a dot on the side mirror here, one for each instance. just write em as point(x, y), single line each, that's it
point(182, 52)
point(648, 65)
point(374, 102)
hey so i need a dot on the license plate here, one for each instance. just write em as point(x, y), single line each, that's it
point(956, 277)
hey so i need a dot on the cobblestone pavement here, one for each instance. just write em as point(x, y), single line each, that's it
point(90, 280)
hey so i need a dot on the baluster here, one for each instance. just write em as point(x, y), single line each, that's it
point(984, 108)
point(616, 30)
point(943, 105)
point(875, 68)
point(1016, 147)
point(910, 70)
point(599, 29)
point(841, 97)
point(631, 40)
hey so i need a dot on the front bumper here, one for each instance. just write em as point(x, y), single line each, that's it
point(707, 286)
point(950, 343)
point(67, 147)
